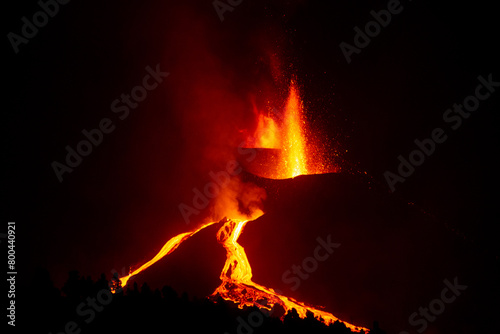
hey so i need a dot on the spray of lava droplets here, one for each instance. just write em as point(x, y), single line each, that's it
point(294, 151)
point(236, 276)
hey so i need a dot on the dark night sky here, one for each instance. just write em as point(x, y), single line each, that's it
point(120, 205)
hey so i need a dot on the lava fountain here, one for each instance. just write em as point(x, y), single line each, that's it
point(285, 146)
point(294, 147)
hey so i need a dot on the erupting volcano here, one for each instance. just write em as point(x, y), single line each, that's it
point(292, 148)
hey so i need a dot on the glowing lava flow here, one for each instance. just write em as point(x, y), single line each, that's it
point(168, 248)
point(237, 285)
point(236, 276)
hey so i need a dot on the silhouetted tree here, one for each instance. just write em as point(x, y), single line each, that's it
point(144, 311)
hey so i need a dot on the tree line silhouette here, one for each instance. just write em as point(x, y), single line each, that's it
point(84, 306)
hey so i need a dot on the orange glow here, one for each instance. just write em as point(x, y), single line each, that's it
point(267, 134)
point(237, 285)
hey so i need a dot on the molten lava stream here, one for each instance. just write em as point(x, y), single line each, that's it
point(236, 276)
point(168, 248)
point(237, 285)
